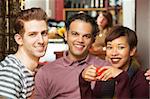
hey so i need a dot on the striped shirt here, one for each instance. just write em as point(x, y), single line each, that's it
point(16, 81)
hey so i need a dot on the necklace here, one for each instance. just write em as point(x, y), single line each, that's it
point(100, 35)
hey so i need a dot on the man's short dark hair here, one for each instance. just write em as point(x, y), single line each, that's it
point(86, 18)
point(27, 15)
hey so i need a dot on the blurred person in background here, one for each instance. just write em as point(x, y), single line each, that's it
point(105, 22)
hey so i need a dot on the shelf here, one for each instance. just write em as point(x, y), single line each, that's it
point(56, 41)
point(74, 10)
point(83, 9)
point(91, 9)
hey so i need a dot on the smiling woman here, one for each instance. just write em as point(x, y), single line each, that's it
point(125, 70)
point(118, 52)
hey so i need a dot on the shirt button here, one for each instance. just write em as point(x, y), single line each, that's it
point(116, 83)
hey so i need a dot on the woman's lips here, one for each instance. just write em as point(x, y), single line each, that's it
point(115, 60)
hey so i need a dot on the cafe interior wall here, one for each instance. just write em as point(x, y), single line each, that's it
point(47, 5)
point(143, 31)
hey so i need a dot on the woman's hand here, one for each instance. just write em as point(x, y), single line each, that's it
point(89, 73)
point(108, 72)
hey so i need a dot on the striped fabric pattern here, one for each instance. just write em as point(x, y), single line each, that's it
point(16, 81)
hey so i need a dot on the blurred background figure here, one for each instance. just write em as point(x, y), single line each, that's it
point(105, 22)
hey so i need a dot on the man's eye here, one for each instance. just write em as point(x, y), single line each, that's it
point(87, 36)
point(74, 33)
point(108, 47)
point(32, 34)
point(45, 33)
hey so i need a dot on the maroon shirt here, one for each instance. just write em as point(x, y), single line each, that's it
point(60, 79)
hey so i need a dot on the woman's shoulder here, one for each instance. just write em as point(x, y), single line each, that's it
point(139, 78)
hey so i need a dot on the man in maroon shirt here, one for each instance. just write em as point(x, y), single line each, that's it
point(60, 79)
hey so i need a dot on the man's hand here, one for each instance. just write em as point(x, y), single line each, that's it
point(147, 74)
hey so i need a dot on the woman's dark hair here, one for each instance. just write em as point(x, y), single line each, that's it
point(119, 31)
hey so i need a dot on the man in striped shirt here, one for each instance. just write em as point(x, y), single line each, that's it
point(17, 70)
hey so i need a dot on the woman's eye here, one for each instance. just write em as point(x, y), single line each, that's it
point(121, 47)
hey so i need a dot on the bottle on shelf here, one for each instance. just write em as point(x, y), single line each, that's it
point(67, 4)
